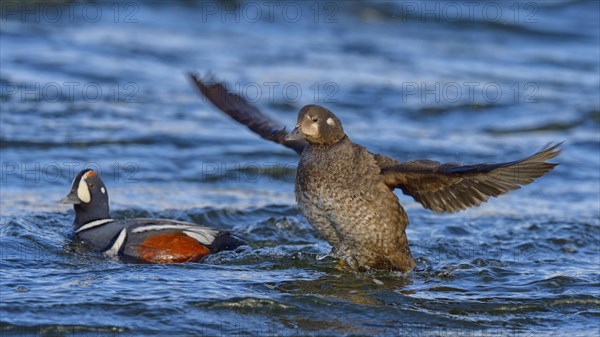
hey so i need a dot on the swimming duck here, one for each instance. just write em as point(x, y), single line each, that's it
point(138, 240)
point(346, 192)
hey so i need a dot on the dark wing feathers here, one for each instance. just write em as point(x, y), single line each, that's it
point(453, 187)
point(440, 187)
point(243, 112)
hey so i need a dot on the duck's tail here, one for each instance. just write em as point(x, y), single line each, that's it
point(225, 241)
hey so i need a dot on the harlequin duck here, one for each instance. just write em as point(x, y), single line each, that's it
point(346, 192)
point(138, 240)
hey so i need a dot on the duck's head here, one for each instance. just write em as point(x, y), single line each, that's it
point(317, 125)
point(89, 197)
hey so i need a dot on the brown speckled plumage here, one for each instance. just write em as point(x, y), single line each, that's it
point(346, 192)
point(340, 191)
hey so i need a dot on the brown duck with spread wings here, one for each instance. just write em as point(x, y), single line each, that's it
point(346, 192)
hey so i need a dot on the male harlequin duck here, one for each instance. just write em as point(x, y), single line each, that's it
point(346, 192)
point(138, 240)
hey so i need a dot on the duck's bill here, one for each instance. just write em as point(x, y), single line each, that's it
point(71, 198)
point(296, 134)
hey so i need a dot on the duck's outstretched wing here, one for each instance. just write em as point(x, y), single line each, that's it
point(453, 187)
point(245, 113)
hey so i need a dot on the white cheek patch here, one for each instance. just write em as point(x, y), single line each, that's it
point(313, 130)
point(330, 121)
point(83, 192)
point(103, 190)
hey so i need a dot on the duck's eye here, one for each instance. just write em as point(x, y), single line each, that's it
point(315, 119)
point(91, 185)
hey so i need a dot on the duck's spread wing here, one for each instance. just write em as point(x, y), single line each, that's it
point(245, 113)
point(453, 187)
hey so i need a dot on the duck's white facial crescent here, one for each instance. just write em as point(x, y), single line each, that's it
point(83, 192)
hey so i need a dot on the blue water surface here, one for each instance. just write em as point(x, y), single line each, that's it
point(103, 85)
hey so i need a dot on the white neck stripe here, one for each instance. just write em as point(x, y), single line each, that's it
point(93, 224)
